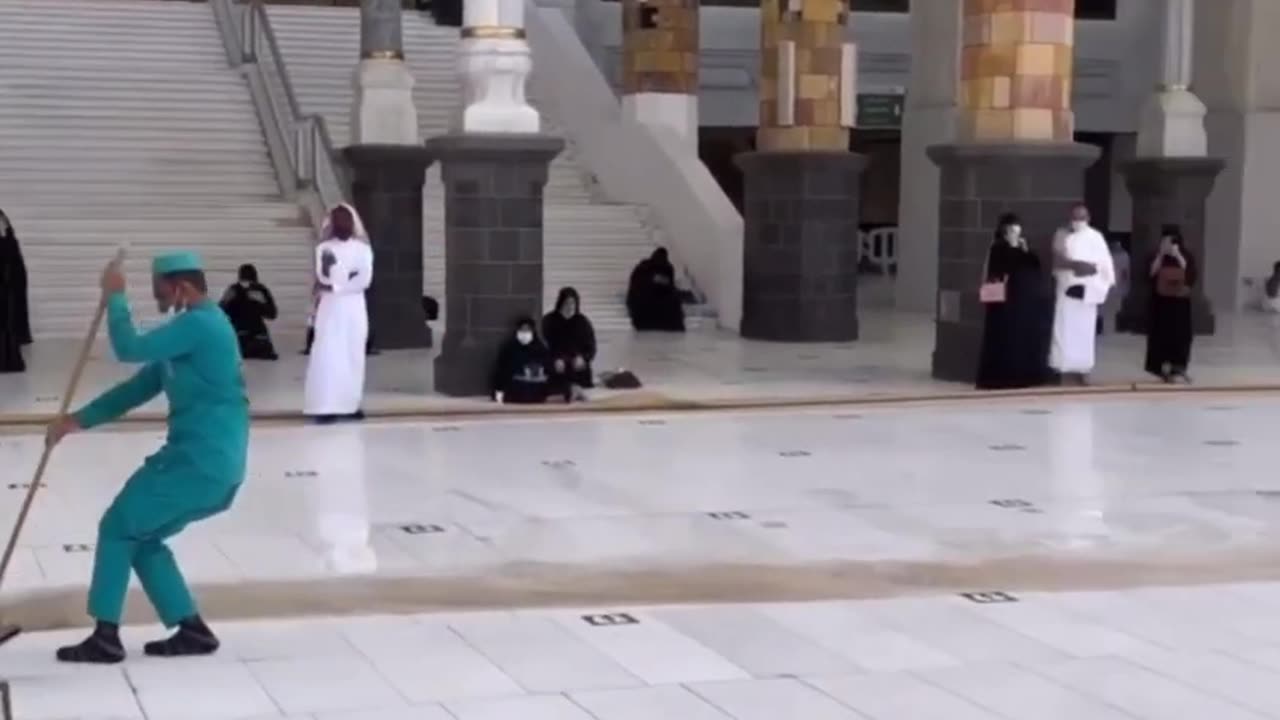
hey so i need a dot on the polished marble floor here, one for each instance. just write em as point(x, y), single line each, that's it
point(948, 484)
point(1164, 653)
point(1121, 556)
point(892, 359)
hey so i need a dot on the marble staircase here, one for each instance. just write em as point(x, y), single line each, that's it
point(120, 122)
point(589, 242)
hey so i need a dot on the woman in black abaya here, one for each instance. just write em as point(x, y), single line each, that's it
point(1014, 342)
point(1169, 331)
point(15, 280)
point(653, 300)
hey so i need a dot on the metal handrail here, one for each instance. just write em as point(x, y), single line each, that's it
point(300, 144)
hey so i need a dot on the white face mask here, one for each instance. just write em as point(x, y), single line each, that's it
point(524, 337)
point(1078, 225)
point(1013, 234)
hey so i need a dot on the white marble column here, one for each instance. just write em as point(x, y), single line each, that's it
point(929, 119)
point(1172, 120)
point(494, 64)
point(383, 112)
point(1236, 46)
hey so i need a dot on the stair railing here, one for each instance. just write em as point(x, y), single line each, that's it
point(299, 144)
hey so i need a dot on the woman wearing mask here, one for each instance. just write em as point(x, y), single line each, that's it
point(1169, 332)
point(250, 305)
point(1014, 339)
point(572, 342)
point(521, 375)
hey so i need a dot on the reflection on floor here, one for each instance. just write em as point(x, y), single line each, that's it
point(1151, 654)
point(891, 359)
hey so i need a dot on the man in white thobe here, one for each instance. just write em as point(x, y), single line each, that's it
point(344, 270)
point(1084, 274)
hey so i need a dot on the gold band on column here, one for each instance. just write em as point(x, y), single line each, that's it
point(383, 55)
point(493, 32)
point(1016, 71)
point(811, 86)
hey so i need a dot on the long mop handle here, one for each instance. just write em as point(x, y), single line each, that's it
point(85, 349)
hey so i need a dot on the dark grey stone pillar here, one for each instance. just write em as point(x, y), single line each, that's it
point(800, 245)
point(493, 248)
point(386, 184)
point(381, 29)
point(1039, 182)
point(1167, 191)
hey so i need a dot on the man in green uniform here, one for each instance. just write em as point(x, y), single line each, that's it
point(194, 359)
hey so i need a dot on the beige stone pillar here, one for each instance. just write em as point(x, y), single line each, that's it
point(1016, 70)
point(1013, 152)
point(660, 65)
point(804, 105)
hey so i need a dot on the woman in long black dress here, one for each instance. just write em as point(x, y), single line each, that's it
point(16, 279)
point(1014, 340)
point(572, 341)
point(653, 300)
point(522, 373)
point(1169, 332)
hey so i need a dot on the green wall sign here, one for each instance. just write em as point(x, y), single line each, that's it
point(879, 111)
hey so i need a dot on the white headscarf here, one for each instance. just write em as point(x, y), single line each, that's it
point(359, 231)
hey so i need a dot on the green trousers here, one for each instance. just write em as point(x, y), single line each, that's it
point(155, 504)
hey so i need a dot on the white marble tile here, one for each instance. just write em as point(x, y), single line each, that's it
point(1227, 678)
point(225, 691)
point(752, 641)
point(1013, 692)
point(947, 624)
point(532, 707)
point(1141, 692)
point(871, 645)
point(772, 699)
point(541, 656)
point(101, 693)
point(648, 703)
point(329, 684)
point(653, 651)
point(892, 696)
point(420, 712)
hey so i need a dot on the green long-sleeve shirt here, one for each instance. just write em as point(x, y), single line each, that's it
point(194, 359)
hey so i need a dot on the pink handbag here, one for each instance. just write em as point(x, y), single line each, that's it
point(992, 293)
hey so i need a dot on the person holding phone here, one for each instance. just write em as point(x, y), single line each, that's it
point(1015, 297)
point(1084, 274)
point(1169, 331)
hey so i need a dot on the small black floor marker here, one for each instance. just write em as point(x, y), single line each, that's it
point(729, 515)
point(77, 548)
point(1037, 411)
point(1011, 503)
point(420, 529)
point(24, 486)
point(301, 474)
point(989, 598)
point(559, 463)
point(1221, 443)
point(653, 423)
point(795, 453)
point(1007, 447)
point(608, 619)
point(446, 428)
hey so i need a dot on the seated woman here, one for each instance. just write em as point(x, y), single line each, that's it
point(572, 342)
point(520, 375)
point(249, 305)
point(653, 300)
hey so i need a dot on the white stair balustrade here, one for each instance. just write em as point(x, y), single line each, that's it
point(588, 243)
point(121, 123)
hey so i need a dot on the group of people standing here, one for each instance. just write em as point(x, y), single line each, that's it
point(1043, 326)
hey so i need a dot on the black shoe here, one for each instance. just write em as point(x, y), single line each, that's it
point(326, 419)
point(192, 638)
point(101, 648)
point(357, 415)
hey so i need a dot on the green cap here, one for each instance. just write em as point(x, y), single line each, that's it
point(176, 262)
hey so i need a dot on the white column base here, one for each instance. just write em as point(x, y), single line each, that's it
point(494, 74)
point(383, 111)
point(676, 112)
point(1172, 125)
